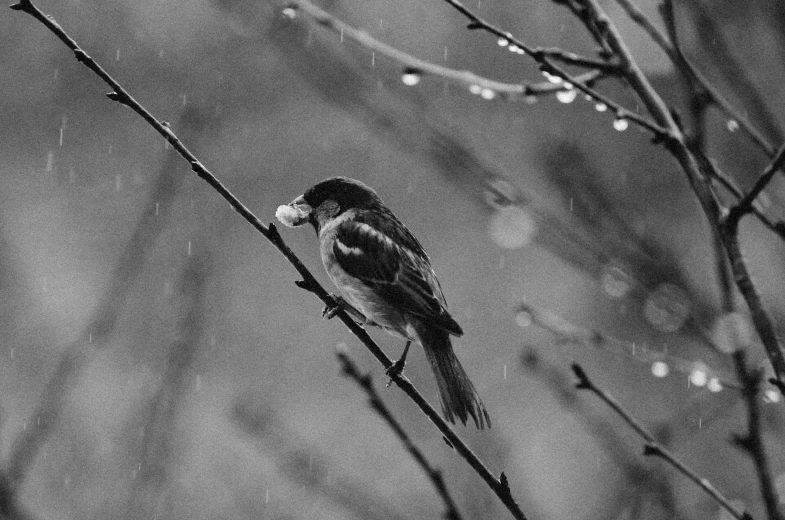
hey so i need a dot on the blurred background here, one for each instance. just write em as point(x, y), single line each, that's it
point(159, 362)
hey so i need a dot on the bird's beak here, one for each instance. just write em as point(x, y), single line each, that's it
point(294, 214)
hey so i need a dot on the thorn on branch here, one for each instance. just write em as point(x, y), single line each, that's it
point(22, 5)
point(81, 56)
point(472, 26)
point(583, 380)
point(505, 484)
point(447, 442)
point(652, 450)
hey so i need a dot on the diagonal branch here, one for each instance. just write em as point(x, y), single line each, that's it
point(547, 64)
point(414, 65)
point(652, 447)
point(350, 369)
point(499, 486)
point(752, 441)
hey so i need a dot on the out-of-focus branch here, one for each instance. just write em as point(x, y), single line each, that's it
point(652, 447)
point(499, 486)
point(416, 66)
point(752, 441)
point(350, 369)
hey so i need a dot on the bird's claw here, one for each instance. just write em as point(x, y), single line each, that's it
point(396, 369)
point(331, 309)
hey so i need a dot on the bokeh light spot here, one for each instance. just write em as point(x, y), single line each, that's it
point(512, 227)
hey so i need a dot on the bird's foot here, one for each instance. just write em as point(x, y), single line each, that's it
point(396, 369)
point(336, 303)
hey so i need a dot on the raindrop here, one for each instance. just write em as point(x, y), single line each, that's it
point(667, 308)
point(341, 37)
point(189, 248)
point(50, 162)
point(530, 100)
point(601, 107)
point(56, 74)
point(513, 48)
point(620, 124)
point(520, 51)
point(373, 59)
point(732, 125)
point(567, 85)
point(512, 227)
point(616, 281)
point(289, 12)
point(503, 42)
point(523, 318)
point(488, 93)
point(198, 382)
point(698, 376)
point(731, 331)
point(660, 369)
point(117, 55)
point(267, 497)
point(445, 53)
point(410, 78)
point(505, 372)
point(156, 209)
point(714, 385)
point(381, 24)
point(475, 89)
point(61, 136)
point(566, 96)
point(551, 78)
point(772, 395)
point(724, 514)
point(183, 98)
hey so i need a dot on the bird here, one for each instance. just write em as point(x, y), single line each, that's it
point(385, 276)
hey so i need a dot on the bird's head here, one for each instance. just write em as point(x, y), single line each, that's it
point(326, 201)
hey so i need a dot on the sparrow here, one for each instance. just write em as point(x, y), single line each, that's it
point(385, 276)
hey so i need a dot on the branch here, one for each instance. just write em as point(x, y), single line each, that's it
point(752, 441)
point(413, 65)
point(693, 76)
point(543, 57)
point(652, 447)
point(697, 173)
point(745, 205)
point(350, 370)
point(499, 485)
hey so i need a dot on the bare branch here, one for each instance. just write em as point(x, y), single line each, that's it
point(745, 205)
point(498, 485)
point(350, 369)
point(547, 64)
point(652, 447)
point(752, 441)
point(413, 65)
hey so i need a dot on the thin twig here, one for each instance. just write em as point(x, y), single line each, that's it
point(745, 205)
point(350, 369)
point(499, 486)
point(652, 447)
point(752, 441)
point(414, 65)
point(697, 173)
point(547, 64)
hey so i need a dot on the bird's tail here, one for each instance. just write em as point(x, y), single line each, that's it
point(458, 396)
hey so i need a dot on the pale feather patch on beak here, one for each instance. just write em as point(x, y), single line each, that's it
point(294, 214)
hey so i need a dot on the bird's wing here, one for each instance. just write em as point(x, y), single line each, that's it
point(389, 260)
